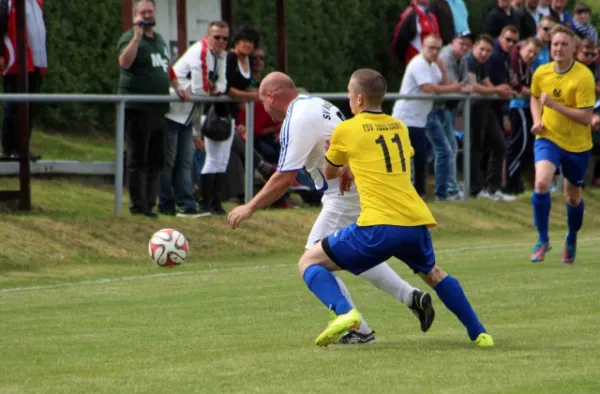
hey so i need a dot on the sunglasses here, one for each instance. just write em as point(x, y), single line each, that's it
point(222, 38)
point(546, 28)
point(260, 57)
point(589, 54)
point(510, 40)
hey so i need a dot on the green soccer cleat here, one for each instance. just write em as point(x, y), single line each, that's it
point(484, 340)
point(348, 322)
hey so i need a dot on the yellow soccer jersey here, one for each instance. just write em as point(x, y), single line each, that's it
point(378, 150)
point(574, 88)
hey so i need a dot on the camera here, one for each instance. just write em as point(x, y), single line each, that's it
point(146, 22)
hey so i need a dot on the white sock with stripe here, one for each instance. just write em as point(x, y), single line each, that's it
point(364, 327)
point(385, 278)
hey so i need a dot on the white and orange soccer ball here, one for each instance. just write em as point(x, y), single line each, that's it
point(168, 247)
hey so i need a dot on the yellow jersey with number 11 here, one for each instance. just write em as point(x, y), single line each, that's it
point(378, 150)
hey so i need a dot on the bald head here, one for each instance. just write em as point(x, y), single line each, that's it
point(276, 81)
point(277, 91)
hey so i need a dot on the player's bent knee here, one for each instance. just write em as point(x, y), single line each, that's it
point(435, 276)
point(572, 194)
point(573, 199)
point(543, 185)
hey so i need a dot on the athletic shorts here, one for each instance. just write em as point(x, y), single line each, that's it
point(572, 165)
point(357, 249)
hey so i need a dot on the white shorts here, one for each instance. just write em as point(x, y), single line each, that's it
point(337, 213)
point(217, 154)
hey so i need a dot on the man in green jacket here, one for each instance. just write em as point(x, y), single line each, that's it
point(145, 69)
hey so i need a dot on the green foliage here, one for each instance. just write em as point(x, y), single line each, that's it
point(81, 49)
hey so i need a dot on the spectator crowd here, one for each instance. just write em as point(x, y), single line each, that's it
point(186, 158)
point(434, 44)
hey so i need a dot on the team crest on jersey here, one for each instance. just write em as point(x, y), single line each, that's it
point(556, 92)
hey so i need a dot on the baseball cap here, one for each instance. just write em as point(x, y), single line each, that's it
point(464, 34)
point(582, 7)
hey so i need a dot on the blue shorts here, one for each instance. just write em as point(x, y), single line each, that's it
point(358, 249)
point(572, 165)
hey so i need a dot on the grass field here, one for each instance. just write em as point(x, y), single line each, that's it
point(83, 309)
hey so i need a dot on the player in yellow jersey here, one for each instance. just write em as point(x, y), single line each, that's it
point(375, 149)
point(562, 102)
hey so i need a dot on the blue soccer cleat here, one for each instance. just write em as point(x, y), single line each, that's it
point(569, 252)
point(539, 251)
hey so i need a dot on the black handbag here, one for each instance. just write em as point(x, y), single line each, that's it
point(217, 127)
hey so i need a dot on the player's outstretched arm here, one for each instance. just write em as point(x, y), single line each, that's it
point(277, 185)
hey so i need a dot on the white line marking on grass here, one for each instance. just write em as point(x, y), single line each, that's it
point(233, 269)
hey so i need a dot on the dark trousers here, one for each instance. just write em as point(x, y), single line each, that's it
point(486, 133)
point(418, 140)
point(10, 124)
point(520, 148)
point(146, 147)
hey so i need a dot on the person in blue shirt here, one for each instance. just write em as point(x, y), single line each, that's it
point(520, 144)
point(544, 36)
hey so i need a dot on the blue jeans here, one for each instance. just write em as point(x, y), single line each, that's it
point(199, 157)
point(440, 133)
point(175, 178)
point(418, 140)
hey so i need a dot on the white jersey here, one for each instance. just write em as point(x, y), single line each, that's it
point(305, 133)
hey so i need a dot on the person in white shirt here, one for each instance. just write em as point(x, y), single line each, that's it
point(201, 70)
point(308, 123)
point(425, 74)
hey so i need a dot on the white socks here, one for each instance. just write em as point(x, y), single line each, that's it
point(364, 327)
point(385, 278)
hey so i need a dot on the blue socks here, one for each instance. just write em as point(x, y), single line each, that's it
point(541, 214)
point(574, 221)
point(323, 284)
point(452, 295)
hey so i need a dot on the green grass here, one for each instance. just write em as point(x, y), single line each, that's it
point(83, 309)
point(86, 146)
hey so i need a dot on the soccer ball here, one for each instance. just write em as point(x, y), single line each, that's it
point(168, 247)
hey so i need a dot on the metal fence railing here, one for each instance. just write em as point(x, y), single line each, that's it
point(121, 100)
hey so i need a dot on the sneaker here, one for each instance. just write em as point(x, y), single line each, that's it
point(285, 204)
point(569, 252)
point(539, 251)
point(348, 322)
point(218, 210)
point(167, 212)
point(483, 194)
point(191, 213)
point(356, 338)
point(423, 309)
point(484, 340)
point(297, 186)
point(499, 196)
point(456, 197)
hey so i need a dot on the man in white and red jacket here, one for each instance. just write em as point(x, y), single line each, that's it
point(416, 23)
point(37, 62)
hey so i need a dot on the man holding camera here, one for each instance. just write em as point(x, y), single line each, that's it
point(144, 62)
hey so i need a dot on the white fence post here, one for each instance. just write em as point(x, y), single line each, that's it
point(120, 142)
point(466, 151)
point(249, 162)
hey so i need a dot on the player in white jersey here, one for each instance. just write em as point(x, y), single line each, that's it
point(308, 123)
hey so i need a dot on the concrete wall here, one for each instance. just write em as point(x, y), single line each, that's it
point(199, 13)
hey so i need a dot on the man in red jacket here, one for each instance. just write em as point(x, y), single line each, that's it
point(416, 23)
point(37, 62)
